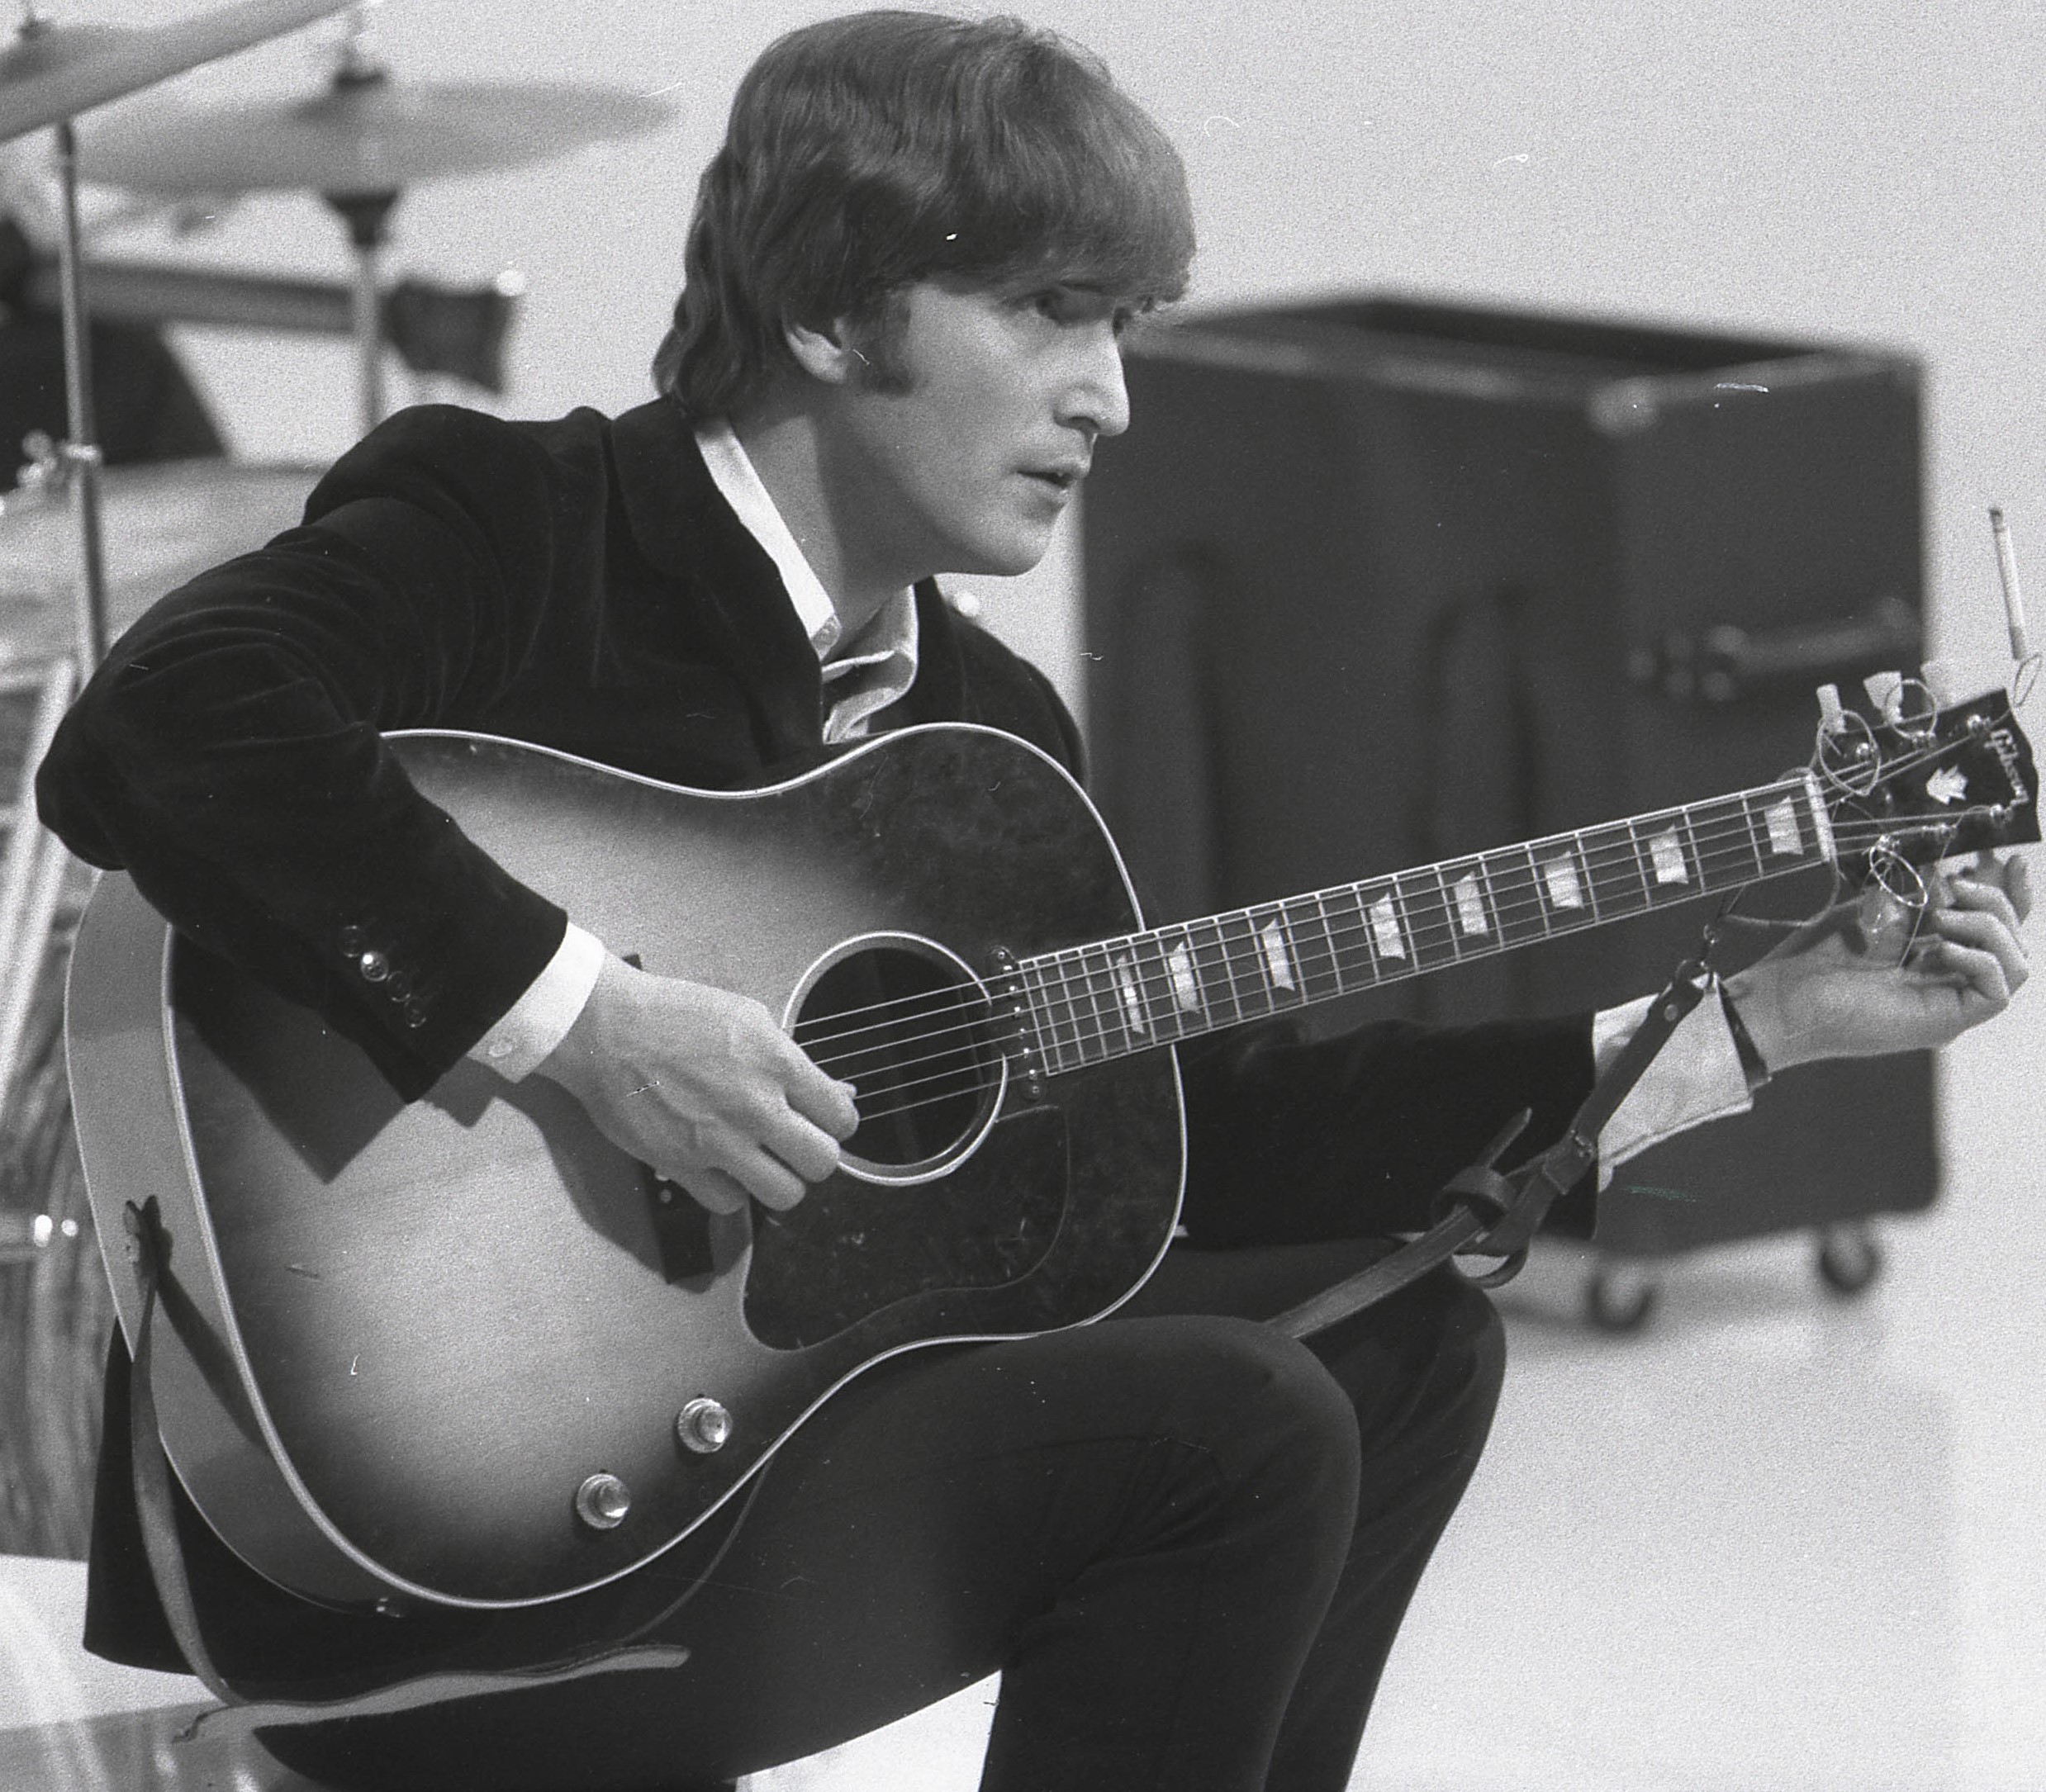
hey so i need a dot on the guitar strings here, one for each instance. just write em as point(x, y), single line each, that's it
point(1738, 821)
point(1717, 828)
point(1427, 915)
point(1217, 962)
point(1622, 852)
point(966, 1064)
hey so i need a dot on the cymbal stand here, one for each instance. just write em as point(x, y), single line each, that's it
point(368, 215)
point(36, 861)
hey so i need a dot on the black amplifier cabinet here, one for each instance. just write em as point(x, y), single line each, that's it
point(1373, 582)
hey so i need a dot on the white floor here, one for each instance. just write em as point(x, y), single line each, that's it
point(1775, 1542)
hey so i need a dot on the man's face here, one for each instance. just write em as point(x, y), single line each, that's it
point(962, 444)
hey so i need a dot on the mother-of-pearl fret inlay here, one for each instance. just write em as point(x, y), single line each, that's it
point(1566, 890)
point(1132, 1001)
point(1384, 919)
point(1145, 989)
point(1786, 839)
point(1470, 904)
point(1275, 960)
point(1665, 852)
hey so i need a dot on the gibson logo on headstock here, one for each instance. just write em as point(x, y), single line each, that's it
point(2005, 746)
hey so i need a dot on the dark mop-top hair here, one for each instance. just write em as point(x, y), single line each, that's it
point(872, 151)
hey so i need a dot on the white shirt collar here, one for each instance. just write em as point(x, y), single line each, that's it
point(893, 629)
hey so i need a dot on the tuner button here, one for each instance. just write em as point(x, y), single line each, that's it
point(1885, 691)
point(1938, 676)
point(602, 1502)
point(1830, 716)
point(703, 1425)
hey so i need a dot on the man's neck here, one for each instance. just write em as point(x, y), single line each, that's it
point(788, 453)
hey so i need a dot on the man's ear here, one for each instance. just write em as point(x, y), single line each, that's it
point(824, 353)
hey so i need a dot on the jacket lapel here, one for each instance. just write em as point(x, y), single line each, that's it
point(684, 529)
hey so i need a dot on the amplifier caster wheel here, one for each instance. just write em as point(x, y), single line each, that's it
point(1619, 1297)
point(1849, 1259)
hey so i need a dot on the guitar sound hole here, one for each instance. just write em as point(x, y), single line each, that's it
point(909, 1032)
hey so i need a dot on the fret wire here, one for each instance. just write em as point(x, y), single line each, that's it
point(1139, 1026)
point(1640, 867)
point(1723, 839)
point(1307, 971)
point(1237, 930)
point(1289, 953)
point(1124, 1035)
point(1356, 957)
point(1729, 850)
point(1328, 933)
point(1193, 977)
point(1098, 966)
point(1211, 966)
point(1605, 871)
point(1699, 869)
point(1541, 897)
point(1104, 1030)
point(1440, 897)
point(1754, 837)
point(1147, 965)
point(1044, 985)
point(1577, 852)
point(1252, 946)
point(1086, 1026)
point(1155, 968)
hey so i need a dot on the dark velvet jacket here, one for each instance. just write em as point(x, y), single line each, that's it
point(581, 584)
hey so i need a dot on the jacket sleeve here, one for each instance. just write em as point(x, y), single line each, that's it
point(229, 753)
point(1291, 1141)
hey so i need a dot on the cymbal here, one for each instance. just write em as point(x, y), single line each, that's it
point(57, 71)
point(368, 137)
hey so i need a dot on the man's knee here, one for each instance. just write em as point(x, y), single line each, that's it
point(1277, 1419)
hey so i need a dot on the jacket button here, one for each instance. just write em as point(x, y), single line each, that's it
point(398, 986)
point(415, 1011)
point(374, 966)
point(352, 941)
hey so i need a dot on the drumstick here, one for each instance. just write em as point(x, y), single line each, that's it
point(2007, 567)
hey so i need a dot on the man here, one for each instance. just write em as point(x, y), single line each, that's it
point(1186, 1542)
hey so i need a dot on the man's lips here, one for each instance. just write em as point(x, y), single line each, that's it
point(1063, 475)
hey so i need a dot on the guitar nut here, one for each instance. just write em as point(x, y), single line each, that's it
point(703, 1425)
point(602, 1502)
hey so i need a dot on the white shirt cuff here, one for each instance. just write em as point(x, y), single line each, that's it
point(539, 1020)
point(1696, 1077)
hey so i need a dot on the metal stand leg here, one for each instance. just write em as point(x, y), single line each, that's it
point(31, 871)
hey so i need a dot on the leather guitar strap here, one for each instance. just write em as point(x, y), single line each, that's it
point(1484, 1213)
point(157, 1511)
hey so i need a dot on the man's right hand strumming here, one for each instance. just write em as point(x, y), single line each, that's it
point(703, 1085)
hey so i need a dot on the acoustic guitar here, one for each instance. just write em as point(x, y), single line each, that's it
point(466, 1351)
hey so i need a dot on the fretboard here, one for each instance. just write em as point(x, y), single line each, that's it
point(1092, 1002)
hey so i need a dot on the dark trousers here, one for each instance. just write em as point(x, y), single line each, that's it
point(1186, 1542)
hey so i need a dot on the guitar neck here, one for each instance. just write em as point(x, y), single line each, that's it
point(1089, 1003)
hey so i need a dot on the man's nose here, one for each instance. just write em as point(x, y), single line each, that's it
point(1096, 397)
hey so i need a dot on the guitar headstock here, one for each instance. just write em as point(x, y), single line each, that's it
point(1924, 784)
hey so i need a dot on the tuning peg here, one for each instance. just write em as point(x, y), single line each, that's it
point(1885, 691)
point(1830, 718)
point(1938, 677)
